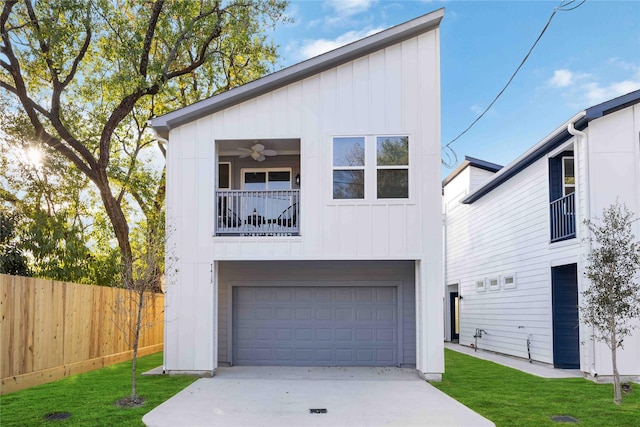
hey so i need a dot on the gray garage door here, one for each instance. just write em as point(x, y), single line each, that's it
point(315, 326)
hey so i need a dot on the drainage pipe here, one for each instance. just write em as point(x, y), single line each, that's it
point(586, 187)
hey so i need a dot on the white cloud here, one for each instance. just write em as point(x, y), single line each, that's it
point(561, 78)
point(346, 8)
point(595, 93)
point(585, 90)
point(311, 48)
point(476, 109)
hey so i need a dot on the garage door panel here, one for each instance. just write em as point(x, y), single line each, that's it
point(315, 326)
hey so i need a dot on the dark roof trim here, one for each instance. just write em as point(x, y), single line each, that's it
point(471, 161)
point(297, 72)
point(580, 121)
point(613, 105)
point(538, 151)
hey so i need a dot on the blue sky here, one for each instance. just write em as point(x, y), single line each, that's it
point(586, 56)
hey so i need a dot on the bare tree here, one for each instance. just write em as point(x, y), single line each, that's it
point(613, 299)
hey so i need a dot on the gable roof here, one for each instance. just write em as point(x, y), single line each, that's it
point(471, 161)
point(297, 72)
point(580, 121)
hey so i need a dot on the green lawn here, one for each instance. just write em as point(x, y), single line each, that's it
point(505, 396)
point(512, 398)
point(90, 397)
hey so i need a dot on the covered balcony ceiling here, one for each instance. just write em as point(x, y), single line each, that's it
point(228, 147)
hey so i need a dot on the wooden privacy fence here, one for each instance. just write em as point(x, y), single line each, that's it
point(50, 329)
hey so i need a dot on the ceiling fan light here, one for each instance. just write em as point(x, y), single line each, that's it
point(255, 155)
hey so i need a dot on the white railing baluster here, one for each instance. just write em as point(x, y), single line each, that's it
point(257, 213)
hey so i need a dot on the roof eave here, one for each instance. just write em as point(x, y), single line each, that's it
point(552, 140)
point(297, 72)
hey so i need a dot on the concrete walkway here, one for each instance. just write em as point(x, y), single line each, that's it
point(283, 396)
point(536, 368)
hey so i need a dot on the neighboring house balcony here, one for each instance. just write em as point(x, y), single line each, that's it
point(562, 187)
point(563, 218)
point(258, 212)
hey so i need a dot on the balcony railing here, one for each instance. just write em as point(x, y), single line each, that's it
point(563, 218)
point(258, 213)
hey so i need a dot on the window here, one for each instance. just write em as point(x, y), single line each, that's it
point(367, 165)
point(509, 281)
point(392, 161)
point(480, 285)
point(568, 176)
point(494, 284)
point(348, 168)
point(224, 175)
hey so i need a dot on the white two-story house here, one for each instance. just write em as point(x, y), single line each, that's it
point(303, 213)
point(516, 244)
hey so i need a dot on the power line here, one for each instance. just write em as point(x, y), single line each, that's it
point(451, 155)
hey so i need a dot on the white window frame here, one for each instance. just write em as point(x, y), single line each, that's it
point(267, 170)
point(493, 283)
point(564, 185)
point(230, 176)
point(392, 167)
point(481, 285)
point(371, 167)
point(509, 281)
point(350, 168)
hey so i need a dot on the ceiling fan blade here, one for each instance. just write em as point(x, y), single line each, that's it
point(261, 158)
point(269, 152)
point(243, 155)
point(247, 150)
point(258, 147)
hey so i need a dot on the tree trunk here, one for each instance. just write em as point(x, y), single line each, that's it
point(120, 228)
point(136, 341)
point(617, 389)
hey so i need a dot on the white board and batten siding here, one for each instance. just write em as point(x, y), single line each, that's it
point(614, 160)
point(394, 91)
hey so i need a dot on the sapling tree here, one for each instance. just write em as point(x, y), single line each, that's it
point(612, 301)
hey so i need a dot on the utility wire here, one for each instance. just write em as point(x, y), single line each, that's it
point(451, 155)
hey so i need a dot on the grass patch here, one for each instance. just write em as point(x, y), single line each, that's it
point(90, 397)
point(509, 397)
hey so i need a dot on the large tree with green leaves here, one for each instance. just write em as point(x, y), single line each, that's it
point(612, 301)
point(85, 76)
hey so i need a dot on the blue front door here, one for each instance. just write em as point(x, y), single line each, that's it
point(566, 341)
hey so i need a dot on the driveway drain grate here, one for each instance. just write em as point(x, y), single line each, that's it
point(318, 411)
point(564, 419)
point(57, 416)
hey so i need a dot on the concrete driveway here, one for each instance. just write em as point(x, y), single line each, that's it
point(284, 396)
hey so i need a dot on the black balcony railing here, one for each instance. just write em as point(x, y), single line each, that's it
point(563, 218)
point(258, 213)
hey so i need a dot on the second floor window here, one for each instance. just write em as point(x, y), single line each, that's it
point(393, 167)
point(568, 176)
point(364, 166)
point(348, 167)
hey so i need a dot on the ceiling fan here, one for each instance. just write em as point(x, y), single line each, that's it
point(256, 152)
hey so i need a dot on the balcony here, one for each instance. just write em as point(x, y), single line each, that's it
point(563, 218)
point(258, 213)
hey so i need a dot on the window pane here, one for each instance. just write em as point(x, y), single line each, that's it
point(223, 175)
point(393, 184)
point(348, 184)
point(393, 150)
point(348, 151)
point(279, 176)
point(569, 176)
point(255, 181)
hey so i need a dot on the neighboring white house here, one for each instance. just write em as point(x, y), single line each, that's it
point(304, 212)
point(515, 240)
